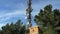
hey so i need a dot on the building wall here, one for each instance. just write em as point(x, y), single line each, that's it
point(34, 30)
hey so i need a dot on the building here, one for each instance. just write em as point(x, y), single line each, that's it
point(35, 30)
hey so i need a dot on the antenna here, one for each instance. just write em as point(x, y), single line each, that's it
point(28, 13)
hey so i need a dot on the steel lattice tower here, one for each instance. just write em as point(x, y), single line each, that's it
point(28, 13)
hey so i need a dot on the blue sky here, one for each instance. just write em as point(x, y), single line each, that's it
point(12, 10)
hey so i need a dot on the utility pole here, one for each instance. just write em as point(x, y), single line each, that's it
point(28, 13)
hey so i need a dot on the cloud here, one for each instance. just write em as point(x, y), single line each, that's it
point(13, 13)
point(1, 26)
point(7, 16)
point(11, 17)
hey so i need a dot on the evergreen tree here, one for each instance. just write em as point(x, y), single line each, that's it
point(47, 19)
point(17, 28)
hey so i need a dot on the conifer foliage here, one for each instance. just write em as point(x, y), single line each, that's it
point(48, 19)
point(17, 28)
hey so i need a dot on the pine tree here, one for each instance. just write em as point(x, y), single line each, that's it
point(47, 19)
point(17, 28)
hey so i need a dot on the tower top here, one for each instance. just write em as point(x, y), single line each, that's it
point(29, 9)
point(28, 13)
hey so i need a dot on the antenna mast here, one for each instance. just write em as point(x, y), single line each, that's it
point(28, 13)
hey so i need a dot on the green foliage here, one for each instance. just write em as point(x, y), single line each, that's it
point(48, 18)
point(17, 28)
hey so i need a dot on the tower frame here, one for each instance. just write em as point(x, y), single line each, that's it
point(28, 13)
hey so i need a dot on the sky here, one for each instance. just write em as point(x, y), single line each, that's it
point(12, 10)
